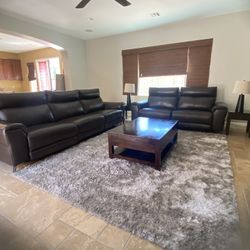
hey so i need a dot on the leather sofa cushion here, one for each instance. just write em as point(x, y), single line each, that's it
point(164, 92)
point(91, 100)
point(199, 92)
point(64, 104)
point(66, 109)
point(162, 102)
point(87, 122)
point(29, 115)
point(62, 96)
point(155, 113)
point(89, 93)
point(110, 114)
point(196, 103)
point(91, 105)
point(192, 116)
point(43, 135)
point(16, 100)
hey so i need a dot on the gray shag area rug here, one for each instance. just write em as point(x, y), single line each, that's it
point(190, 204)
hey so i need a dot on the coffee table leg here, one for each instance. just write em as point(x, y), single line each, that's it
point(111, 150)
point(158, 160)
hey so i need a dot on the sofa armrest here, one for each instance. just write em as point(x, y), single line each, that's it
point(13, 143)
point(136, 106)
point(114, 105)
point(219, 111)
point(219, 106)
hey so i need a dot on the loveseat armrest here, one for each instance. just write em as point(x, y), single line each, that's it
point(219, 111)
point(136, 106)
point(114, 105)
point(13, 143)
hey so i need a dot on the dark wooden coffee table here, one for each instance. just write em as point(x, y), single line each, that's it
point(143, 140)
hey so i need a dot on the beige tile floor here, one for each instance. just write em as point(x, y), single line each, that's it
point(33, 219)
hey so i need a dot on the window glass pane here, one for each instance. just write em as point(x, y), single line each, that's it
point(175, 81)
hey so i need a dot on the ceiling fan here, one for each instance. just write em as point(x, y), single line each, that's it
point(83, 3)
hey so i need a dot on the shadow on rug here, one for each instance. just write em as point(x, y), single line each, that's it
point(190, 204)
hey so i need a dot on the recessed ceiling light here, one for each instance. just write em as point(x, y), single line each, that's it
point(155, 14)
point(88, 30)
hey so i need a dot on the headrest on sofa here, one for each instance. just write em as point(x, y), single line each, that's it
point(62, 96)
point(89, 93)
point(163, 91)
point(12, 100)
point(199, 92)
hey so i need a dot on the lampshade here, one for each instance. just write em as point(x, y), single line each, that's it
point(129, 88)
point(242, 87)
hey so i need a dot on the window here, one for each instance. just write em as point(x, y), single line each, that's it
point(160, 82)
point(179, 64)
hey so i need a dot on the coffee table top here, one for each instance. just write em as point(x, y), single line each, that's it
point(145, 127)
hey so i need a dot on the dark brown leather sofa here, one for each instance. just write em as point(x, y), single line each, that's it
point(194, 108)
point(34, 125)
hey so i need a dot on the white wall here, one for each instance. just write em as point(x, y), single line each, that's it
point(74, 55)
point(230, 56)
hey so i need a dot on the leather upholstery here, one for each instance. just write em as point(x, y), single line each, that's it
point(91, 100)
point(199, 92)
point(26, 108)
point(52, 148)
point(13, 144)
point(197, 98)
point(44, 135)
point(155, 113)
point(14, 100)
point(64, 104)
point(111, 117)
point(196, 103)
point(88, 122)
point(163, 98)
point(28, 116)
point(196, 108)
point(49, 122)
point(192, 116)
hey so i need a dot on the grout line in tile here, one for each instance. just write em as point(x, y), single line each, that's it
point(126, 243)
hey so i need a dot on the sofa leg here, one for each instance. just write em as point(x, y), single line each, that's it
point(14, 169)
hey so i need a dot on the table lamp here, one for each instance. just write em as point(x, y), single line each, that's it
point(241, 88)
point(129, 89)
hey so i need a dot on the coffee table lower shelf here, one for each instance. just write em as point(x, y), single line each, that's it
point(142, 157)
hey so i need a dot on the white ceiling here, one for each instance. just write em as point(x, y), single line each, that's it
point(14, 44)
point(110, 18)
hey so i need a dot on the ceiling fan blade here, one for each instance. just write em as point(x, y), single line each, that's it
point(124, 3)
point(82, 4)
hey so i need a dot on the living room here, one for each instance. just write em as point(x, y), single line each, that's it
point(77, 194)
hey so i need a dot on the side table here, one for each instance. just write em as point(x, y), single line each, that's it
point(238, 116)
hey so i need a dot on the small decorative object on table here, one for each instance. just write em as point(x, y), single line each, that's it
point(241, 88)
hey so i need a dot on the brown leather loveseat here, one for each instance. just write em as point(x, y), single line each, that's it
point(194, 108)
point(34, 125)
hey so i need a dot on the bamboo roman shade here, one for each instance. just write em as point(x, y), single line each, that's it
point(191, 58)
point(198, 66)
point(166, 62)
point(130, 69)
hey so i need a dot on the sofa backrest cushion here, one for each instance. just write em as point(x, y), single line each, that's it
point(91, 100)
point(64, 104)
point(27, 108)
point(197, 98)
point(163, 98)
